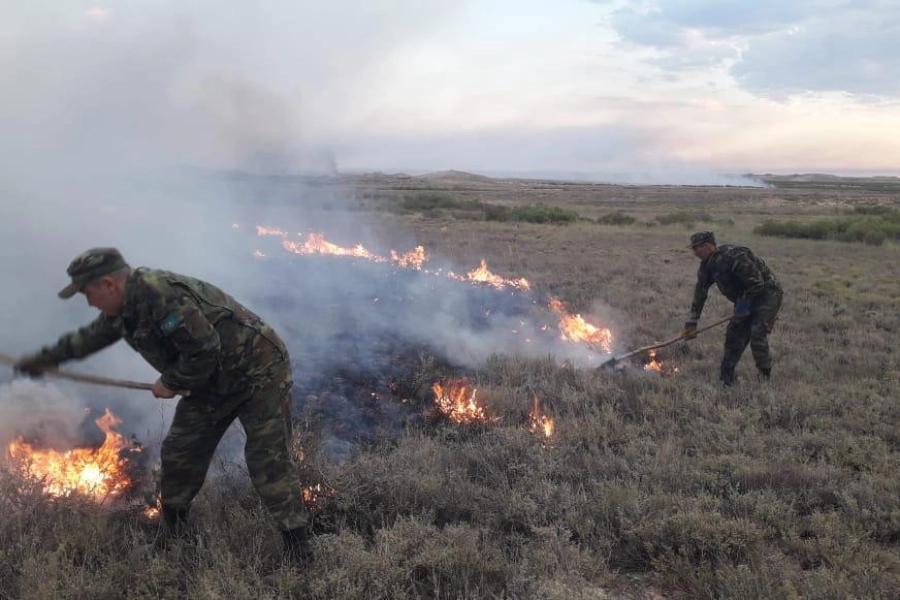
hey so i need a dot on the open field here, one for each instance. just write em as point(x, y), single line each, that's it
point(653, 486)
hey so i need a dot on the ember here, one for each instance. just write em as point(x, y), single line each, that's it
point(99, 474)
point(457, 400)
point(655, 365)
point(316, 496)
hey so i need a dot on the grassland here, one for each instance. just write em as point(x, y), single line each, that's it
point(653, 486)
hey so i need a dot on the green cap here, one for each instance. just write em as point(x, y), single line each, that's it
point(89, 265)
point(702, 237)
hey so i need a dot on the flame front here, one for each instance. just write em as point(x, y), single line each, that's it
point(540, 423)
point(317, 244)
point(96, 473)
point(458, 401)
point(572, 327)
point(414, 259)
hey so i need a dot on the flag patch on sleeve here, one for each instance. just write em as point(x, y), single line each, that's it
point(170, 324)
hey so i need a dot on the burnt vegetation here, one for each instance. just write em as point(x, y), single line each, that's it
point(651, 486)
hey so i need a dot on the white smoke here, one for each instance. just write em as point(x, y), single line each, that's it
point(154, 134)
point(39, 410)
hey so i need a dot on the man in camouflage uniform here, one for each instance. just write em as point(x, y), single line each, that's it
point(223, 360)
point(746, 280)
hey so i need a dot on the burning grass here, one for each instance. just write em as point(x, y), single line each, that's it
point(541, 424)
point(100, 474)
point(457, 400)
point(652, 486)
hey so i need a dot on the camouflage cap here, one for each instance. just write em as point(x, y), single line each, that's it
point(89, 265)
point(702, 237)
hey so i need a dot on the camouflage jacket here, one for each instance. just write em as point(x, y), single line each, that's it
point(198, 337)
point(738, 273)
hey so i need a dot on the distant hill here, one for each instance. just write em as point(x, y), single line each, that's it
point(824, 177)
point(827, 181)
point(453, 175)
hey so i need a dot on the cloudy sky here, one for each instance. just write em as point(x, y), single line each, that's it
point(664, 86)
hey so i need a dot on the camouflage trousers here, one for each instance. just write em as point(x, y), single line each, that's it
point(264, 412)
point(753, 330)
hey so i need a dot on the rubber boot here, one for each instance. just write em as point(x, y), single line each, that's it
point(297, 547)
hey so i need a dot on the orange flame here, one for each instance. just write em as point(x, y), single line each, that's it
point(653, 365)
point(153, 512)
point(260, 230)
point(457, 400)
point(414, 259)
point(96, 473)
point(540, 423)
point(317, 244)
point(656, 365)
point(482, 274)
point(316, 496)
point(574, 328)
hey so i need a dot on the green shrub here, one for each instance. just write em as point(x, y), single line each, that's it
point(543, 213)
point(869, 230)
point(427, 201)
point(616, 218)
point(496, 212)
point(684, 218)
point(434, 203)
point(876, 210)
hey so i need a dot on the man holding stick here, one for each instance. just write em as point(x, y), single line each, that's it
point(746, 280)
point(223, 360)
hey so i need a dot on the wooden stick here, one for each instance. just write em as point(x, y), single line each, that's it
point(612, 361)
point(54, 372)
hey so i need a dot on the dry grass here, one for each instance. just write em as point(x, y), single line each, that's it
point(653, 487)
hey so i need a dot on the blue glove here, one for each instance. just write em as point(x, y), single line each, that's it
point(742, 308)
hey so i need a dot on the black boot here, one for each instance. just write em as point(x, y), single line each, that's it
point(172, 525)
point(297, 547)
point(174, 520)
point(765, 374)
point(726, 376)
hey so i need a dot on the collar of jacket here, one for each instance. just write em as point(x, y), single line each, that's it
point(131, 294)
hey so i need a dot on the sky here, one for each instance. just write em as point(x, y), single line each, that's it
point(499, 86)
